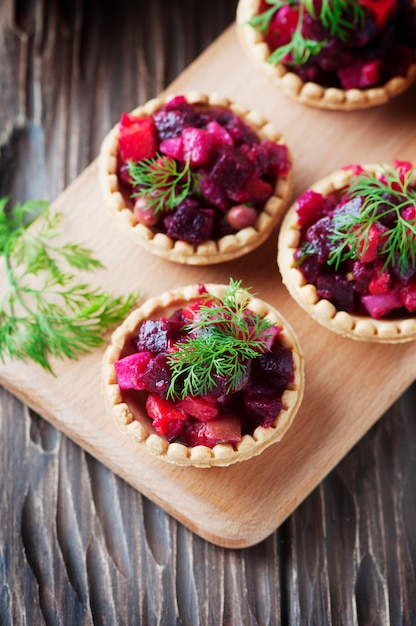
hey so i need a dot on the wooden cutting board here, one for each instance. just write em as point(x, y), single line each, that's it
point(348, 384)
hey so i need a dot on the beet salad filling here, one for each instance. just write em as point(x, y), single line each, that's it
point(209, 373)
point(346, 44)
point(196, 172)
point(358, 244)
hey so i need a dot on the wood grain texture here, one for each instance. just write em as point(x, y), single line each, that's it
point(79, 545)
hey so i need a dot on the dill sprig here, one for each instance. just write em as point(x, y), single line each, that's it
point(222, 338)
point(339, 17)
point(384, 196)
point(162, 181)
point(46, 311)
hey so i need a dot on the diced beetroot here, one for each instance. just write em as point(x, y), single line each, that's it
point(153, 336)
point(238, 196)
point(156, 375)
point(190, 224)
point(379, 306)
point(370, 73)
point(319, 236)
point(231, 169)
point(198, 146)
point(381, 9)
point(171, 122)
point(309, 207)
point(223, 429)
point(402, 167)
point(272, 159)
point(137, 140)
point(190, 311)
point(274, 368)
point(308, 265)
point(380, 283)
point(199, 408)
point(172, 147)
point(178, 102)
point(262, 408)
point(337, 290)
point(220, 134)
point(360, 74)
point(259, 191)
point(130, 368)
point(408, 295)
point(409, 213)
point(282, 26)
point(212, 192)
point(355, 168)
point(369, 245)
point(362, 274)
point(240, 131)
point(166, 417)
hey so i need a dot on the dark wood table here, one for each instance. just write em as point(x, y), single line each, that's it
point(77, 544)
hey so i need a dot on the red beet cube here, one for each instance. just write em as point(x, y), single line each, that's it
point(198, 146)
point(164, 414)
point(282, 26)
point(258, 190)
point(360, 75)
point(231, 169)
point(309, 207)
point(224, 428)
point(369, 245)
point(219, 133)
point(382, 10)
point(172, 147)
point(408, 295)
point(190, 224)
point(199, 408)
point(380, 283)
point(137, 140)
point(379, 306)
point(129, 370)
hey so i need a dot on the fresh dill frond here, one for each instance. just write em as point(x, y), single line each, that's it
point(384, 199)
point(261, 22)
point(162, 181)
point(338, 17)
point(46, 311)
point(222, 338)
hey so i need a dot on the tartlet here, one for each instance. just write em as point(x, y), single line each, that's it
point(364, 80)
point(240, 163)
point(147, 414)
point(345, 271)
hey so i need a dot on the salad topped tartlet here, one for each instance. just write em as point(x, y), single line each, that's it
point(195, 179)
point(334, 54)
point(347, 252)
point(205, 375)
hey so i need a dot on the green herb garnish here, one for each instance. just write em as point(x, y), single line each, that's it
point(45, 311)
point(162, 181)
point(385, 196)
point(223, 336)
point(339, 17)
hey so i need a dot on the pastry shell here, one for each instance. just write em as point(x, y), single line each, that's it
point(311, 93)
point(227, 247)
point(360, 327)
point(133, 419)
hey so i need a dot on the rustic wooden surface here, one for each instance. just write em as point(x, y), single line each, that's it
point(77, 544)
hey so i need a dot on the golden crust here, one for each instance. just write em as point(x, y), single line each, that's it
point(362, 328)
point(138, 426)
point(311, 93)
point(210, 252)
